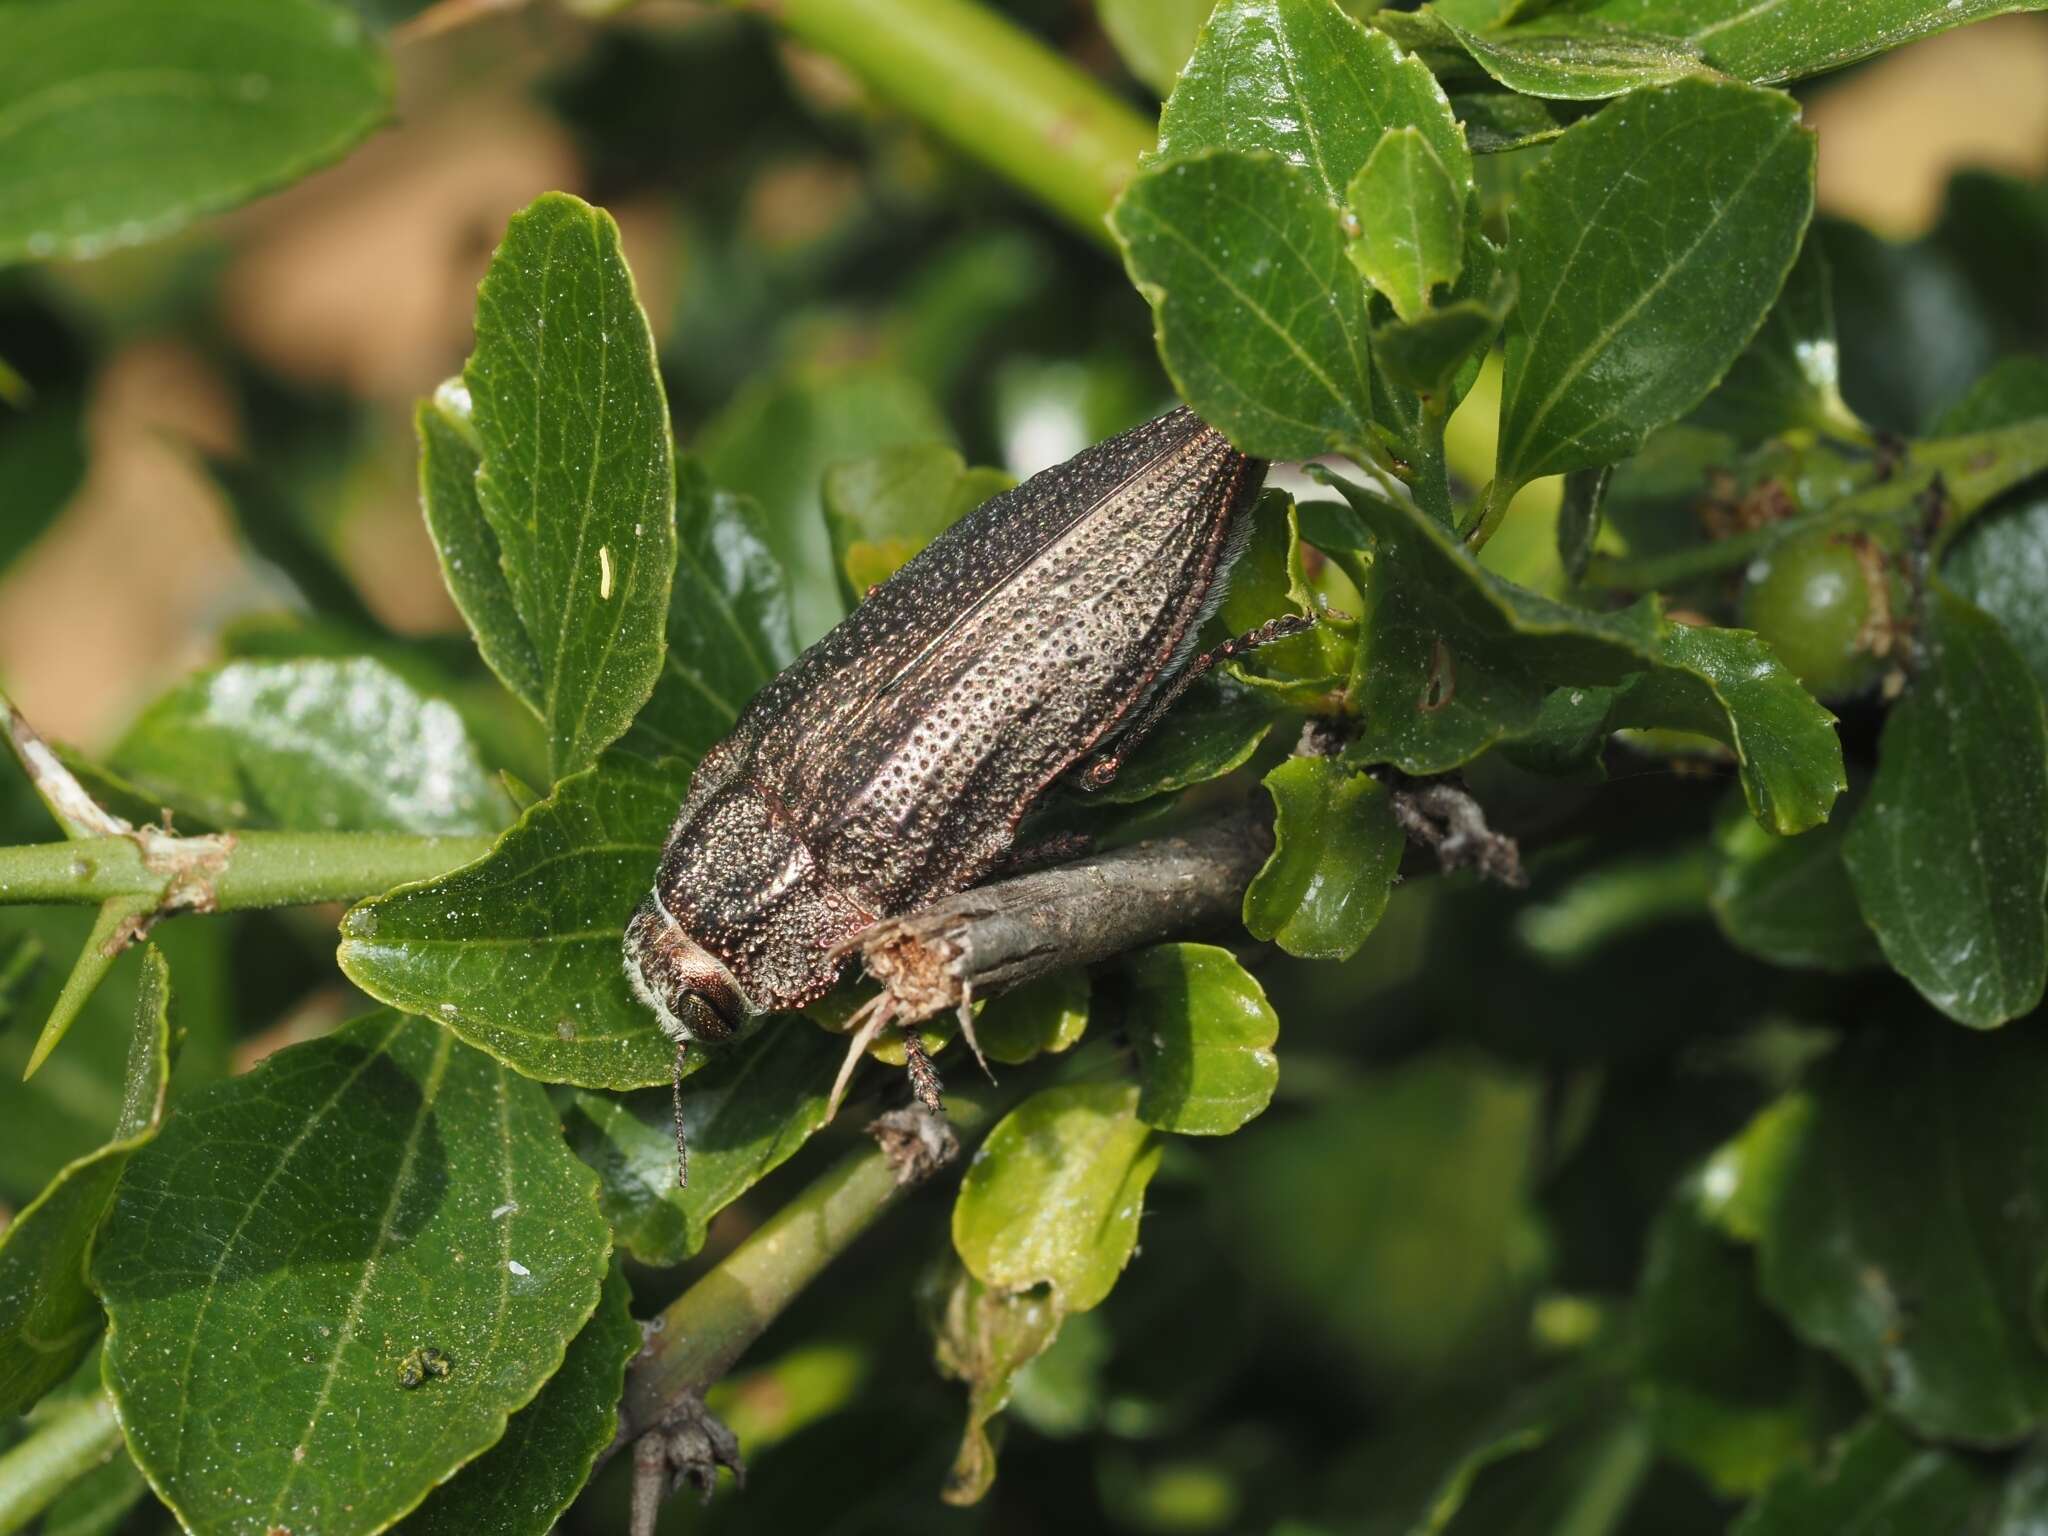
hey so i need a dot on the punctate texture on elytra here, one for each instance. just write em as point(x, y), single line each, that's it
point(892, 761)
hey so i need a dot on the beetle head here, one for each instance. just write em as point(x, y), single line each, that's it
point(693, 995)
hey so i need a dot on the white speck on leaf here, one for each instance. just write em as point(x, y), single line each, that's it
point(604, 572)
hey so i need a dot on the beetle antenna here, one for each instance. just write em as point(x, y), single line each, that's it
point(682, 1146)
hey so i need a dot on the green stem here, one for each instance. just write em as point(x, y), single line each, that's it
point(987, 87)
point(66, 1444)
point(702, 1332)
point(1973, 472)
point(249, 869)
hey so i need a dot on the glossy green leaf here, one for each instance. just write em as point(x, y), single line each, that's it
point(1788, 899)
point(1876, 1480)
point(577, 478)
point(1043, 1016)
point(316, 745)
point(48, 1319)
point(121, 120)
point(1212, 729)
point(1336, 851)
point(1308, 82)
point(1273, 353)
point(1053, 1196)
point(983, 1337)
point(1271, 578)
point(285, 1263)
point(1794, 38)
point(1790, 374)
point(1650, 244)
point(1905, 1232)
point(1453, 659)
point(880, 511)
point(472, 563)
point(1578, 61)
point(1726, 684)
point(1204, 1035)
point(1949, 854)
point(1411, 221)
point(745, 1114)
point(519, 952)
point(729, 623)
point(521, 1485)
point(1154, 37)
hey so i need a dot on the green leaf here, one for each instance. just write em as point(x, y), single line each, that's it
point(1582, 61)
point(983, 1337)
point(1906, 1232)
point(1497, 121)
point(48, 1319)
point(1453, 659)
point(1154, 37)
point(1053, 1196)
point(1788, 899)
point(1417, 1255)
point(472, 563)
point(277, 533)
point(880, 511)
point(519, 952)
point(1411, 219)
point(1041, 1017)
point(1578, 518)
point(1650, 244)
point(1727, 1389)
point(2001, 560)
point(1726, 684)
point(577, 480)
point(1949, 854)
point(42, 463)
point(1204, 1035)
point(1426, 354)
point(120, 119)
point(1876, 1480)
point(745, 1114)
point(1795, 38)
point(322, 746)
point(1336, 850)
point(369, 1252)
point(1273, 352)
point(521, 1485)
point(1790, 374)
point(98, 1503)
point(779, 435)
point(1305, 81)
point(1212, 729)
point(729, 623)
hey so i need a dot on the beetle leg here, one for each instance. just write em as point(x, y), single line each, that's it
point(1099, 771)
point(873, 1017)
point(924, 1077)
